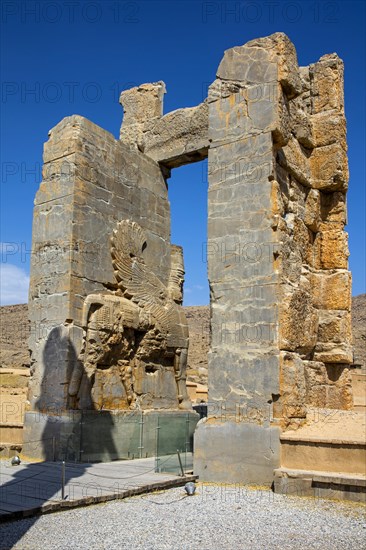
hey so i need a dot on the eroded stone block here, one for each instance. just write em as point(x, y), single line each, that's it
point(331, 291)
point(298, 321)
point(143, 103)
point(328, 127)
point(313, 209)
point(333, 353)
point(326, 78)
point(329, 168)
point(334, 326)
point(295, 159)
point(334, 207)
point(328, 386)
point(291, 404)
point(331, 248)
point(179, 137)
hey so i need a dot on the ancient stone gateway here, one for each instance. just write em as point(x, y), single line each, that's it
point(106, 283)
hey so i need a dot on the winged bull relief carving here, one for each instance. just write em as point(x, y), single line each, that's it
point(135, 345)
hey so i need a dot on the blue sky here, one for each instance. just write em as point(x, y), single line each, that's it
point(60, 58)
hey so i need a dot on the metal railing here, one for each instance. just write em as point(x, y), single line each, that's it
point(104, 436)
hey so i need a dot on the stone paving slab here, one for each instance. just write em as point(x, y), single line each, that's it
point(36, 488)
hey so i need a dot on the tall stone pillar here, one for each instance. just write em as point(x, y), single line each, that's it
point(275, 162)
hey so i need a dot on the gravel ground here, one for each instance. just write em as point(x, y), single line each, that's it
point(215, 518)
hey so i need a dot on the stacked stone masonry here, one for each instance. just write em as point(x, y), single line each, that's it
point(275, 137)
point(278, 130)
point(280, 287)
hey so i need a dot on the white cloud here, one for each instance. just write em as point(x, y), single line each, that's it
point(14, 284)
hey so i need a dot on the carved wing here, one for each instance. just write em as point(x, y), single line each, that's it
point(134, 278)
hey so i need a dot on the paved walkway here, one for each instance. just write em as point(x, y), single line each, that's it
point(36, 488)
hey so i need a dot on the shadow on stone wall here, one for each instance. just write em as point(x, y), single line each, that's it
point(35, 484)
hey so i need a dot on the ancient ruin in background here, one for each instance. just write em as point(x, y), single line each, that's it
point(275, 137)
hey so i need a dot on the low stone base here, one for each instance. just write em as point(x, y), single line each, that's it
point(231, 452)
point(339, 486)
point(103, 436)
point(12, 433)
point(321, 454)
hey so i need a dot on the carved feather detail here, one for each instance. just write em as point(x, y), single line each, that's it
point(133, 276)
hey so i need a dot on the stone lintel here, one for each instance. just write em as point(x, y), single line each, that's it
point(177, 138)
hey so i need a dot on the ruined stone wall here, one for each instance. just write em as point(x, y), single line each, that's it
point(278, 177)
point(174, 139)
point(311, 179)
point(278, 271)
point(90, 183)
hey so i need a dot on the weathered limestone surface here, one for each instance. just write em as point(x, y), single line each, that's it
point(178, 138)
point(275, 136)
point(105, 290)
point(277, 251)
point(328, 383)
point(312, 171)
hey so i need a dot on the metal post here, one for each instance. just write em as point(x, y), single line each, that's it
point(187, 440)
point(180, 463)
point(81, 437)
point(157, 448)
point(63, 480)
point(141, 434)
